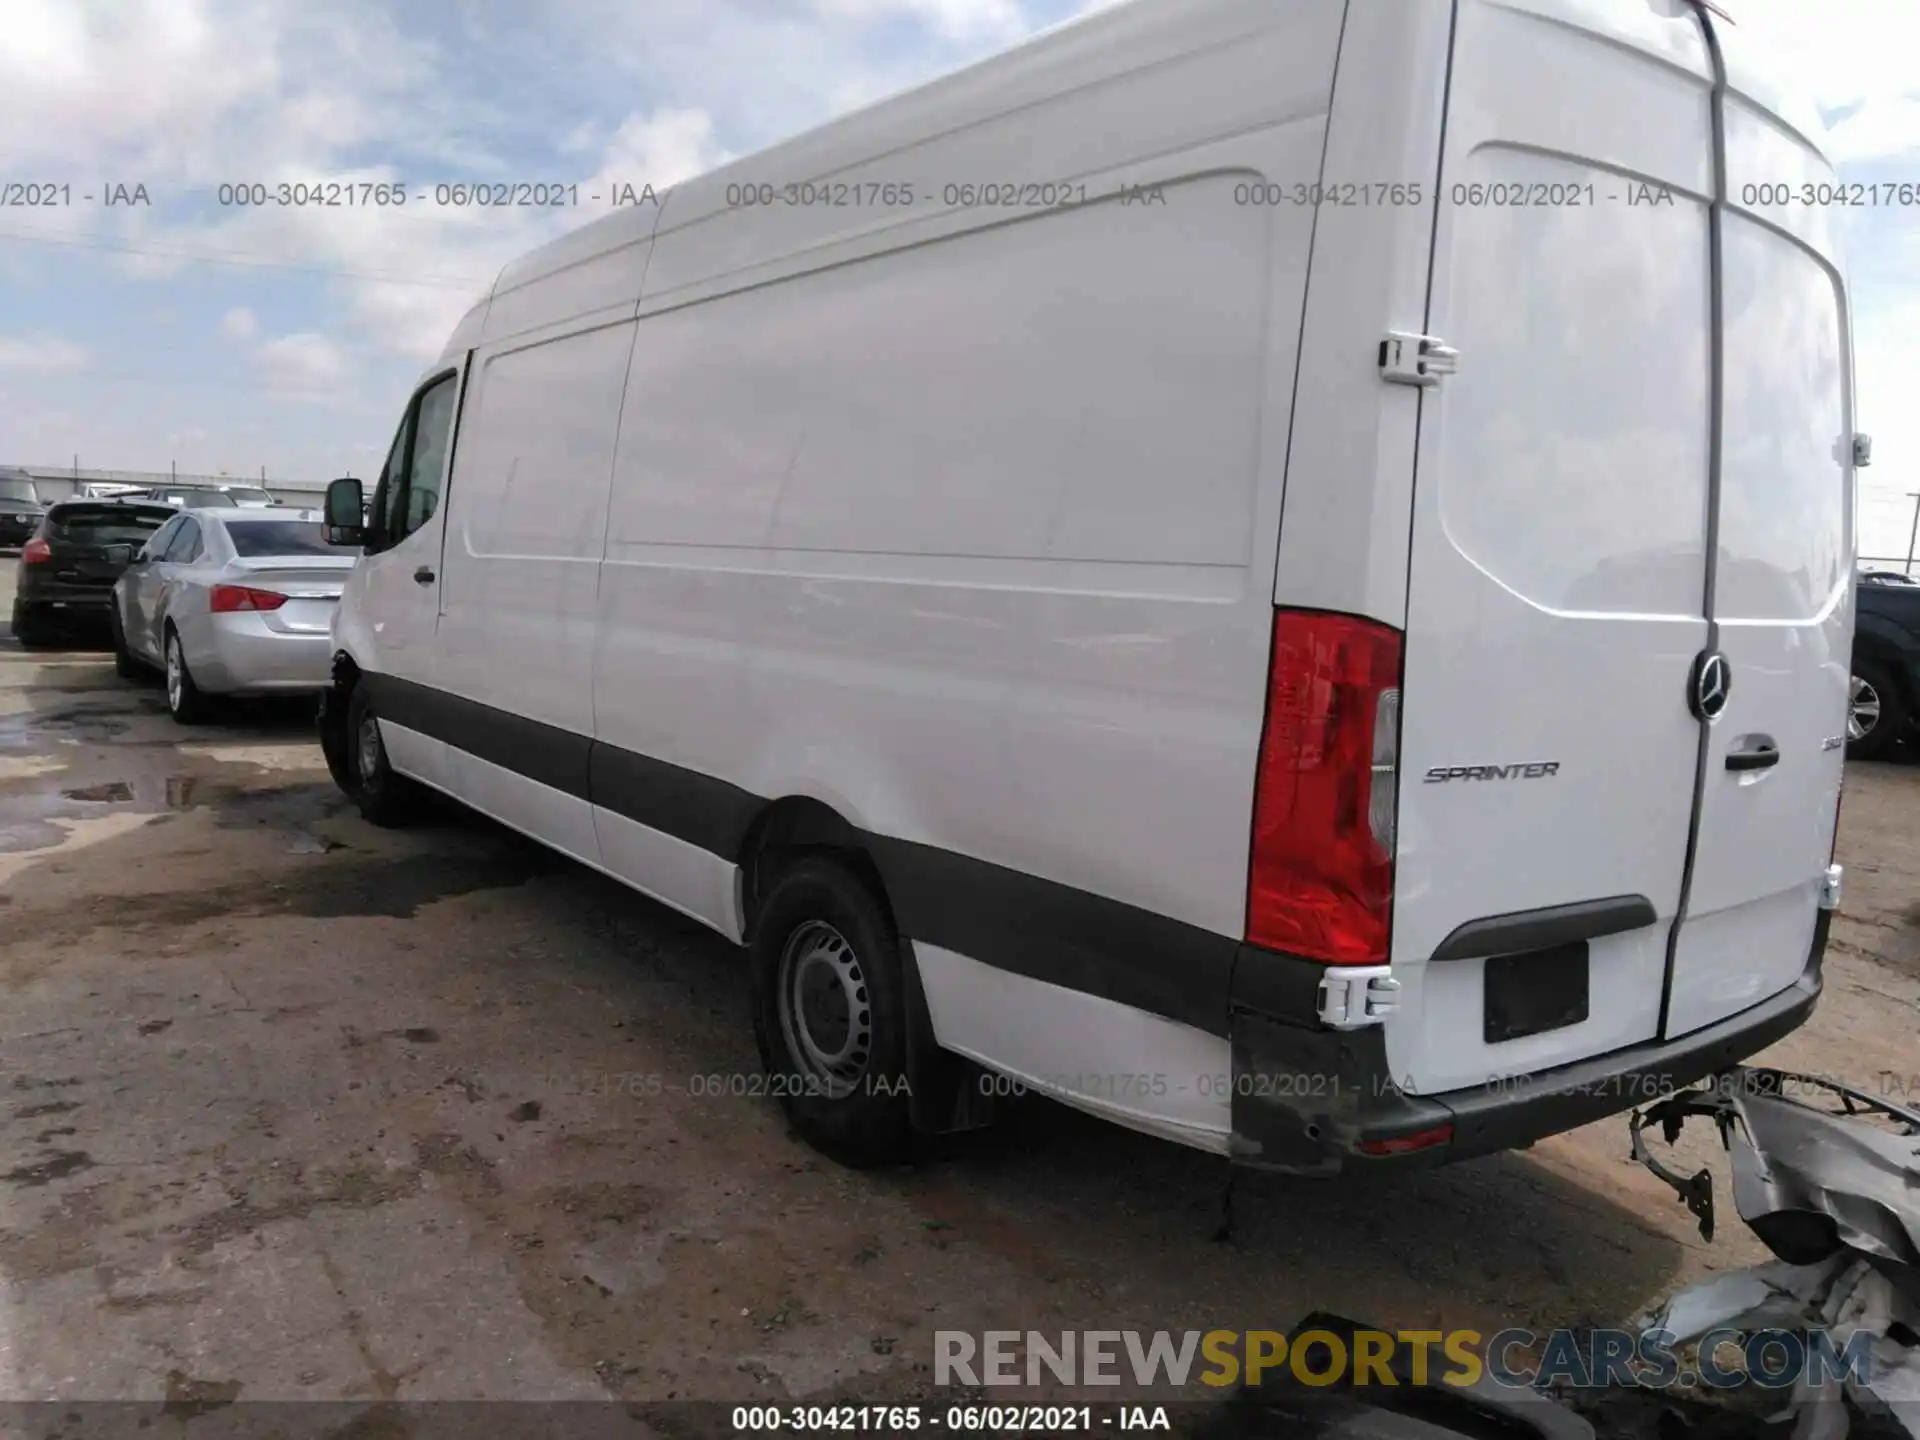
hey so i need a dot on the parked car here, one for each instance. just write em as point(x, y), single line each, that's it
point(230, 602)
point(21, 510)
point(191, 497)
point(68, 568)
point(1233, 664)
point(1886, 664)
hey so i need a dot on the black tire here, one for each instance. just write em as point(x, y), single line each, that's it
point(384, 796)
point(126, 664)
point(825, 939)
point(331, 722)
point(1893, 717)
point(185, 700)
point(32, 628)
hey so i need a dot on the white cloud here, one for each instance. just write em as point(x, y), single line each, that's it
point(959, 20)
point(41, 354)
point(660, 149)
point(1852, 54)
point(1878, 129)
point(303, 364)
point(238, 323)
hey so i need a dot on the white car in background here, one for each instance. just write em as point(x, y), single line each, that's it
point(230, 602)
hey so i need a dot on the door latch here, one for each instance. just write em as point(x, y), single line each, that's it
point(1408, 359)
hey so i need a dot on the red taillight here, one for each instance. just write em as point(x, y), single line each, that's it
point(1407, 1144)
point(1321, 879)
point(227, 598)
point(36, 552)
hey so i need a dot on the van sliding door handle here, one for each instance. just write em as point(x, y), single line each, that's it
point(1760, 755)
point(423, 576)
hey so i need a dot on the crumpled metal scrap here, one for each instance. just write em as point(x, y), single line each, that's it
point(1833, 1189)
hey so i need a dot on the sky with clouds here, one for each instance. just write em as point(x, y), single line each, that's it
point(222, 337)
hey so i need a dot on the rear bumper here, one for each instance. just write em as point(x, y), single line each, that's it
point(61, 596)
point(1306, 1098)
point(239, 653)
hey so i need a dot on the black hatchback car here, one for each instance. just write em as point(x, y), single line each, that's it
point(68, 568)
point(21, 510)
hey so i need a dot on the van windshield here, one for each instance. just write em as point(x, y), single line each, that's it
point(18, 490)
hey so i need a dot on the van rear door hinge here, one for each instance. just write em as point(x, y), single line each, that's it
point(1416, 359)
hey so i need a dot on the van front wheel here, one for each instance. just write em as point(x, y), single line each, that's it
point(829, 1013)
point(384, 796)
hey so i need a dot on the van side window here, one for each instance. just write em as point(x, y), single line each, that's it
point(391, 491)
point(432, 440)
point(415, 473)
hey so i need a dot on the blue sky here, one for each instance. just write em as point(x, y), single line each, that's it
point(228, 338)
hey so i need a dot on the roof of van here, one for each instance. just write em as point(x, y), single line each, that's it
point(608, 256)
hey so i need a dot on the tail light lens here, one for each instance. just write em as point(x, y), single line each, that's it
point(227, 598)
point(1320, 883)
point(36, 552)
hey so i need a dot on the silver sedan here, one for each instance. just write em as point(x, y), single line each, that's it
point(230, 602)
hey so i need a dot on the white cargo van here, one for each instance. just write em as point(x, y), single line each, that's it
point(1280, 572)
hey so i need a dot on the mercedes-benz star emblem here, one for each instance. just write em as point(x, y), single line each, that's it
point(1712, 682)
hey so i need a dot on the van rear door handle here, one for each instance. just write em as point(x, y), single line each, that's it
point(423, 576)
point(1760, 754)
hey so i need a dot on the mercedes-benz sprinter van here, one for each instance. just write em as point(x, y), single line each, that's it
point(1279, 572)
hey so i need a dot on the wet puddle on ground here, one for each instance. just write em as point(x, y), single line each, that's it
point(112, 792)
point(40, 819)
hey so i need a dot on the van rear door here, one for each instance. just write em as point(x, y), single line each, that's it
point(1558, 567)
point(1630, 597)
point(1782, 594)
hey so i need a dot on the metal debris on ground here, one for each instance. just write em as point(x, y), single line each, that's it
point(1828, 1177)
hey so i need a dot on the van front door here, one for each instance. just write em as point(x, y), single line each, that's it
point(399, 578)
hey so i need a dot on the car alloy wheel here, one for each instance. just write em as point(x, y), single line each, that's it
point(1863, 709)
point(176, 673)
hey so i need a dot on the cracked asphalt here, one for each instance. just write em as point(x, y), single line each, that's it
point(291, 1107)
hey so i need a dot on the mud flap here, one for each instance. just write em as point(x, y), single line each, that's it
point(944, 1091)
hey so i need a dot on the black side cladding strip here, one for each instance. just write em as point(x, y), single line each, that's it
point(1065, 936)
point(1545, 928)
point(554, 757)
point(992, 913)
point(699, 809)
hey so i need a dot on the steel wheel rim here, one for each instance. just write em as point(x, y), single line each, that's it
point(826, 1015)
point(176, 671)
point(368, 758)
point(1863, 709)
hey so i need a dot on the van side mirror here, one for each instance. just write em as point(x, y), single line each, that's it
point(346, 513)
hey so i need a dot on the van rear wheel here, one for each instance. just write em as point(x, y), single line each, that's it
point(829, 1013)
